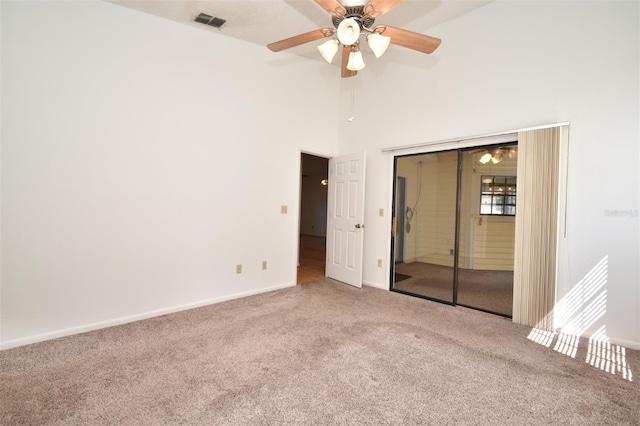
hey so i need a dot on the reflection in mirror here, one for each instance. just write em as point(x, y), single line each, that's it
point(479, 187)
point(427, 239)
point(488, 195)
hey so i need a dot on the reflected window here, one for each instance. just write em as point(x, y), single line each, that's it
point(498, 195)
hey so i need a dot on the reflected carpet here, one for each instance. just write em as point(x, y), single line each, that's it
point(486, 290)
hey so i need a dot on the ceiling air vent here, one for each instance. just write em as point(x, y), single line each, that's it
point(203, 18)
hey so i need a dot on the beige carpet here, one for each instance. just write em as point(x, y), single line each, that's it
point(320, 353)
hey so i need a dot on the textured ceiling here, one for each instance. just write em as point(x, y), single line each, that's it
point(265, 21)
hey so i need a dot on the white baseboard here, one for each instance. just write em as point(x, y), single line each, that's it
point(131, 318)
point(620, 342)
point(376, 285)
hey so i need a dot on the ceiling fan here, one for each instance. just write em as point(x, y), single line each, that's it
point(352, 18)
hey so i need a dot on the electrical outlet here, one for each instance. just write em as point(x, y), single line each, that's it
point(283, 209)
point(264, 265)
point(451, 252)
point(379, 263)
point(381, 212)
point(239, 268)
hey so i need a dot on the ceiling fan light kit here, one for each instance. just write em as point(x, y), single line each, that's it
point(328, 49)
point(355, 61)
point(348, 31)
point(351, 21)
point(378, 43)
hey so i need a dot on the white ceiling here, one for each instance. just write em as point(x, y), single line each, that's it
point(265, 21)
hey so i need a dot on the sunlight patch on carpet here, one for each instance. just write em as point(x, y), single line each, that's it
point(608, 357)
point(567, 344)
point(576, 313)
point(542, 337)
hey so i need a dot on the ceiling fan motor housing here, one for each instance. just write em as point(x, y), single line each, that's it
point(356, 13)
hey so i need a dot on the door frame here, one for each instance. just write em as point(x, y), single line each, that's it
point(297, 236)
point(450, 145)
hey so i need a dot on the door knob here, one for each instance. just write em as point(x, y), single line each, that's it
point(358, 226)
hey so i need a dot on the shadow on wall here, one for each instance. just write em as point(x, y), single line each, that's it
point(579, 310)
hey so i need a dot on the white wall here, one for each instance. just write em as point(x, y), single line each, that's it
point(142, 160)
point(510, 65)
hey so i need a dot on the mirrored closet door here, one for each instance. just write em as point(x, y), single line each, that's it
point(455, 226)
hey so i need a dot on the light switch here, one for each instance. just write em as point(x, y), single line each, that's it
point(381, 212)
point(283, 209)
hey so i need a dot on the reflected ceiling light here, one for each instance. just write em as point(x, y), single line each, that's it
point(329, 49)
point(485, 158)
point(348, 31)
point(378, 43)
point(497, 157)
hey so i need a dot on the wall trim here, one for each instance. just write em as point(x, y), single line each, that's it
point(626, 343)
point(489, 138)
point(132, 318)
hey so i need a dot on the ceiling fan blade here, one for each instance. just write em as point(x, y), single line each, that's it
point(334, 7)
point(300, 39)
point(409, 39)
point(377, 8)
point(345, 60)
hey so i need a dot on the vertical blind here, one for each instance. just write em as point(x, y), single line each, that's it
point(536, 233)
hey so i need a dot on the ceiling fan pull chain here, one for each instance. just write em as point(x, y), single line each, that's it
point(353, 100)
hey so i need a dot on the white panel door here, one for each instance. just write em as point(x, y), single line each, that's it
point(345, 218)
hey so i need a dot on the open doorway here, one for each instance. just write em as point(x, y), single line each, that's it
point(313, 218)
